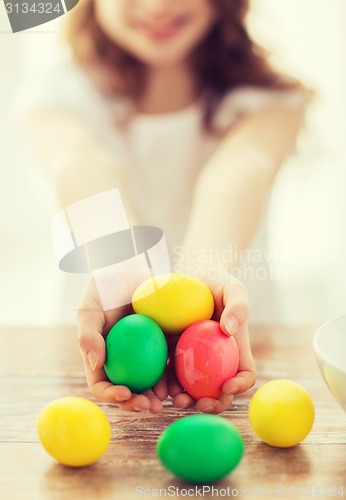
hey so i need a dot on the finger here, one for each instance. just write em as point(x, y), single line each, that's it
point(183, 400)
point(236, 307)
point(109, 393)
point(246, 376)
point(214, 406)
point(223, 403)
point(240, 383)
point(93, 348)
point(137, 402)
point(101, 387)
point(174, 388)
point(90, 324)
point(161, 388)
point(206, 405)
point(156, 405)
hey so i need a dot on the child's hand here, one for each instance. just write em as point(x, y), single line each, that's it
point(93, 325)
point(231, 309)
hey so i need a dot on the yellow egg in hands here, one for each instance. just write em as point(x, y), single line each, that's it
point(281, 413)
point(74, 431)
point(174, 301)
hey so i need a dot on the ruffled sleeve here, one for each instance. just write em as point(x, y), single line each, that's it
point(247, 100)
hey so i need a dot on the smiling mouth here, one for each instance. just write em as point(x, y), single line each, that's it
point(162, 32)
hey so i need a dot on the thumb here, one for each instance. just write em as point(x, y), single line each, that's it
point(91, 342)
point(93, 348)
point(236, 310)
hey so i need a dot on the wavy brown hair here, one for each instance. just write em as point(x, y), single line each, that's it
point(225, 59)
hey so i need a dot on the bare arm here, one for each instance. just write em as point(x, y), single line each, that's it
point(232, 187)
point(229, 196)
point(79, 164)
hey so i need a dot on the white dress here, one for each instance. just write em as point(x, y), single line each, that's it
point(163, 155)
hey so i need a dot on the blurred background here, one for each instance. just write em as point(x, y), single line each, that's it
point(307, 217)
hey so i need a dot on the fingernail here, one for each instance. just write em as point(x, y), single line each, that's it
point(120, 399)
point(232, 325)
point(208, 409)
point(137, 408)
point(232, 391)
point(93, 359)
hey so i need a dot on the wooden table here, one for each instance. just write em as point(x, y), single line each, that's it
point(38, 365)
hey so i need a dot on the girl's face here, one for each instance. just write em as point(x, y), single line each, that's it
point(160, 33)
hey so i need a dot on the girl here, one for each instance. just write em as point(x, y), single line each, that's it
point(174, 104)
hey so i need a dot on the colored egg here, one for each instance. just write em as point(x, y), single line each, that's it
point(136, 353)
point(74, 431)
point(174, 301)
point(281, 413)
point(200, 448)
point(204, 359)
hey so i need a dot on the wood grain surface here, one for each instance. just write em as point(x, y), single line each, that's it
point(38, 365)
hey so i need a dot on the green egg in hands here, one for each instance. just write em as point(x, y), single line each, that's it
point(136, 353)
point(174, 301)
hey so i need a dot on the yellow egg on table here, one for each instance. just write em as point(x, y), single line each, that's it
point(74, 431)
point(174, 301)
point(281, 413)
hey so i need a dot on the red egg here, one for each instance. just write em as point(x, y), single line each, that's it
point(205, 358)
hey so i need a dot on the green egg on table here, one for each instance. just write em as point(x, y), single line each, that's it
point(200, 448)
point(136, 353)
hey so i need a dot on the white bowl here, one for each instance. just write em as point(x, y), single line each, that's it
point(329, 344)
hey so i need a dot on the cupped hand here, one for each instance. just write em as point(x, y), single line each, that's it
point(93, 325)
point(232, 310)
